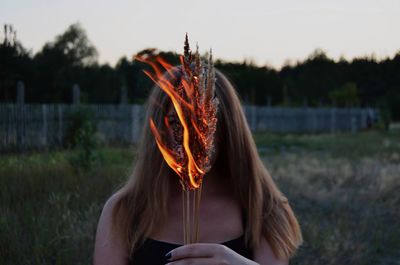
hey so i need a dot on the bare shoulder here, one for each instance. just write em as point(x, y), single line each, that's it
point(264, 255)
point(108, 248)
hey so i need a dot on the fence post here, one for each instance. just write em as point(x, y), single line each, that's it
point(20, 93)
point(333, 119)
point(76, 94)
point(44, 128)
point(60, 124)
point(353, 121)
point(20, 112)
point(135, 122)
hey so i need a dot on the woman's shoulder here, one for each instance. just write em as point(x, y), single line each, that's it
point(111, 202)
point(106, 216)
point(109, 247)
point(107, 210)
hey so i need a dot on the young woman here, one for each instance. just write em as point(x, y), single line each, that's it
point(244, 218)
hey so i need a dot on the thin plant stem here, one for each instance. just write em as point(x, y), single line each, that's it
point(188, 228)
point(184, 217)
point(194, 205)
point(198, 199)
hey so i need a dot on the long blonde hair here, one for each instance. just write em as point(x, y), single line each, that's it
point(142, 202)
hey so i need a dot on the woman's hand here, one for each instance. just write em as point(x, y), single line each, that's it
point(206, 254)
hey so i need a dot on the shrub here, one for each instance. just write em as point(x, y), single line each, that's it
point(81, 135)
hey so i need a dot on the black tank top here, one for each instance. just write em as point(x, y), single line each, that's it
point(153, 252)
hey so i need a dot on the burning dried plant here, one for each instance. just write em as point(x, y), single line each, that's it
point(189, 152)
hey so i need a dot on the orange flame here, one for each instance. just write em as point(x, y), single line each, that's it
point(195, 116)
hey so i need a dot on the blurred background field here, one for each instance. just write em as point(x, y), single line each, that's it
point(343, 187)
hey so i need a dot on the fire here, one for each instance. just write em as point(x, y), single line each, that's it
point(192, 97)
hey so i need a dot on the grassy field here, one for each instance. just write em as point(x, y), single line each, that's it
point(343, 188)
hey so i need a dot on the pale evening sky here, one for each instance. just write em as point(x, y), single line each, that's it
point(268, 32)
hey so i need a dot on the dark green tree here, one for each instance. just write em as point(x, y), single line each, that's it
point(61, 63)
point(15, 64)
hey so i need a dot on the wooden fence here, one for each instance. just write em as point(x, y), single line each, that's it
point(27, 126)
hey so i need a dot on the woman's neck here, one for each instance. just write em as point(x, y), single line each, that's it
point(214, 183)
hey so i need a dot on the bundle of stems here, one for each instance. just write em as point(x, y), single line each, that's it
point(188, 152)
point(191, 208)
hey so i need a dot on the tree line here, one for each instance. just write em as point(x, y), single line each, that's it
point(71, 58)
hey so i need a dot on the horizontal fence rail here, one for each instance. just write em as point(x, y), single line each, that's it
point(27, 126)
point(309, 120)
